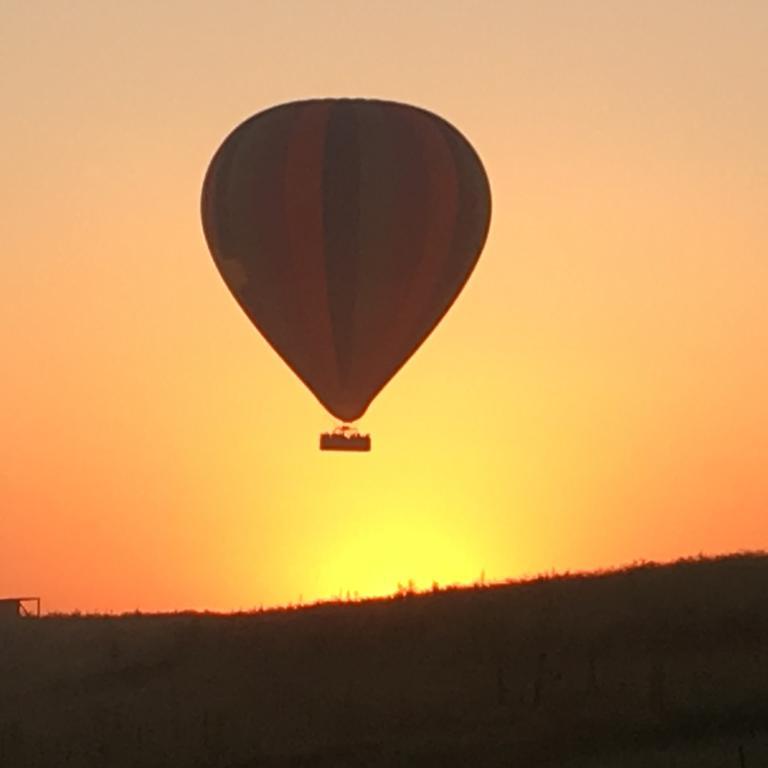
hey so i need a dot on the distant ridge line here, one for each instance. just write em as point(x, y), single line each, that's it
point(410, 592)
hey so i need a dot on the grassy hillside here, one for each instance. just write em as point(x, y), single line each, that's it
point(653, 665)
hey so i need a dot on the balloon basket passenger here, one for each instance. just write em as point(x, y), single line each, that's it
point(344, 438)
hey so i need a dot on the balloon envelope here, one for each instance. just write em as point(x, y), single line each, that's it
point(345, 229)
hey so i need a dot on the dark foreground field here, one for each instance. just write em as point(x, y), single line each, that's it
point(652, 666)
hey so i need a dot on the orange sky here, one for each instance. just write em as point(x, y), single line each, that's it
point(595, 396)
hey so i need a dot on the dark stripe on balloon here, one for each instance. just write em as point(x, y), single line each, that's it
point(395, 203)
point(440, 225)
point(217, 219)
point(472, 219)
point(407, 208)
point(259, 224)
point(383, 237)
point(249, 227)
point(437, 211)
point(341, 215)
point(213, 214)
point(303, 201)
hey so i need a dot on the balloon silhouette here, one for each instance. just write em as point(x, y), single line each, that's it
point(345, 229)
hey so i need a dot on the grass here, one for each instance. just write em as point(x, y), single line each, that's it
point(647, 666)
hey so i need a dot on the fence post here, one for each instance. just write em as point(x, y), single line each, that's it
point(657, 687)
point(501, 686)
point(538, 683)
point(592, 670)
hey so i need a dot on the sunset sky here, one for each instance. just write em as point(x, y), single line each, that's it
point(597, 394)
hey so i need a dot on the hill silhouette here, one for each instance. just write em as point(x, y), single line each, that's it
point(651, 665)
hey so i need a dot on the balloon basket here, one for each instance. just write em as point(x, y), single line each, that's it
point(344, 438)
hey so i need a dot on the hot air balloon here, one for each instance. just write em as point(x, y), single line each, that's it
point(345, 229)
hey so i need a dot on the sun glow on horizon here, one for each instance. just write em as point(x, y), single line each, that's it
point(395, 546)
